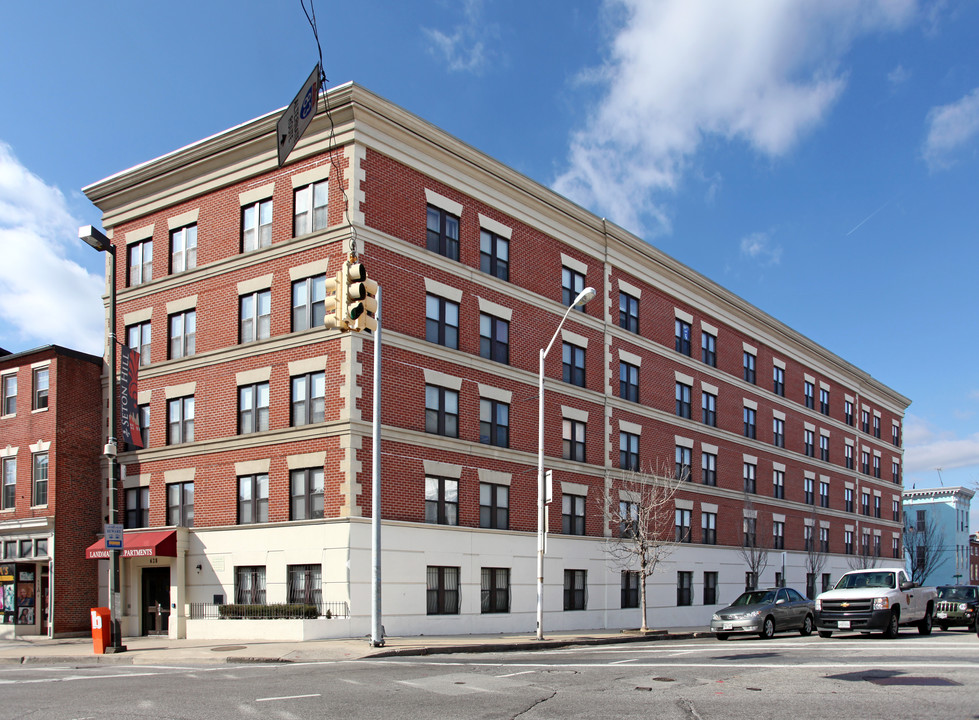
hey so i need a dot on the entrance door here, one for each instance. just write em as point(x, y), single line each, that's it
point(155, 601)
point(42, 605)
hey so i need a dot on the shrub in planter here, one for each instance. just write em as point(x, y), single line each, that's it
point(278, 611)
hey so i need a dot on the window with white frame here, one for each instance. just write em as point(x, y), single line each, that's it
point(140, 262)
point(309, 208)
point(255, 316)
point(39, 495)
point(183, 248)
point(256, 225)
point(139, 337)
point(183, 334)
point(41, 387)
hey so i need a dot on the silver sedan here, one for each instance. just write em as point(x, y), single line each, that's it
point(764, 612)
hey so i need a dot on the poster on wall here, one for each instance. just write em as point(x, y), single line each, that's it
point(25, 595)
point(7, 594)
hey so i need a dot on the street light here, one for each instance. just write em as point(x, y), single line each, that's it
point(584, 296)
point(102, 244)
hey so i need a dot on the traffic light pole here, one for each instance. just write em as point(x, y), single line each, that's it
point(377, 630)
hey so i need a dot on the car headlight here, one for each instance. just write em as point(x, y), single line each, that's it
point(819, 604)
point(963, 607)
point(715, 617)
point(882, 603)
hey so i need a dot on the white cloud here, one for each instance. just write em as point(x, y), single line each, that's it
point(464, 48)
point(927, 448)
point(45, 298)
point(760, 72)
point(898, 76)
point(760, 248)
point(950, 128)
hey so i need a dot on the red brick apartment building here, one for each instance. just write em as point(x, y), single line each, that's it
point(258, 461)
point(50, 490)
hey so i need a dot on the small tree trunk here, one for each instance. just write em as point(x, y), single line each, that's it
point(642, 594)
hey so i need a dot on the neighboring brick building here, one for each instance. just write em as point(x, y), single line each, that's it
point(50, 490)
point(259, 418)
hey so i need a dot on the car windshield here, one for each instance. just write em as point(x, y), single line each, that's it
point(963, 594)
point(866, 580)
point(756, 597)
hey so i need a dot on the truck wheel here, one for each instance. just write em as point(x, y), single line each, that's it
point(806, 628)
point(825, 633)
point(767, 629)
point(893, 627)
point(924, 625)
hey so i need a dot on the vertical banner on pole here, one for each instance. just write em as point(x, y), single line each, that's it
point(128, 391)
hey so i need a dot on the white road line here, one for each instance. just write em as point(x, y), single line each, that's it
point(749, 665)
point(522, 672)
point(287, 697)
point(622, 662)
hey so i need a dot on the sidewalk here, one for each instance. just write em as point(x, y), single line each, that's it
point(156, 650)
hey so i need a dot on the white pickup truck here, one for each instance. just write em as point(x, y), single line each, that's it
point(875, 600)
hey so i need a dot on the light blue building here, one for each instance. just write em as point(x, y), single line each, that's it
point(936, 528)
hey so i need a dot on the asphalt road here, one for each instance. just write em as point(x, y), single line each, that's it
point(935, 677)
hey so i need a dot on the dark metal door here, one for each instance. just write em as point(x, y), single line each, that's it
point(155, 601)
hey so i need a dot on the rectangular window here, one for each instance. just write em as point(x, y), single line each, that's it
point(824, 448)
point(876, 466)
point(494, 506)
point(441, 411)
point(865, 420)
point(682, 525)
point(441, 321)
point(572, 283)
point(183, 334)
point(9, 395)
point(823, 494)
point(848, 456)
point(306, 494)
point(683, 400)
point(848, 542)
point(808, 544)
point(865, 462)
point(628, 312)
point(573, 514)
point(895, 472)
point(255, 316)
point(809, 489)
point(848, 499)
point(865, 503)
point(708, 466)
point(180, 504)
point(778, 432)
point(848, 412)
point(896, 510)
point(683, 461)
point(253, 408)
point(748, 365)
point(750, 581)
point(139, 338)
point(684, 587)
point(8, 496)
point(778, 535)
point(305, 584)
point(308, 303)
point(710, 588)
point(810, 583)
point(41, 387)
point(708, 527)
point(895, 548)
point(824, 543)
point(778, 381)
point(308, 398)
point(750, 526)
point(573, 364)
point(708, 408)
point(138, 507)
point(494, 590)
point(26, 549)
point(749, 422)
point(443, 589)
point(441, 501)
point(494, 338)
point(494, 423)
point(494, 255)
point(681, 336)
point(256, 225)
point(876, 506)
point(143, 412)
point(443, 232)
point(628, 381)
point(807, 390)
point(575, 585)
point(628, 451)
point(250, 585)
point(876, 426)
point(309, 208)
point(778, 484)
point(573, 433)
point(39, 495)
point(140, 264)
point(708, 348)
point(750, 480)
point(896, 436)
point(629, 597)
point(180, 420)
point(824, 401)
point(809, 443)
point(183, 248)
point(253, 499)
point(628, 518)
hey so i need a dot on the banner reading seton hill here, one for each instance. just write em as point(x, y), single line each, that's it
point(128, 378)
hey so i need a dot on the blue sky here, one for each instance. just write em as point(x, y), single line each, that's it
point(820, 158)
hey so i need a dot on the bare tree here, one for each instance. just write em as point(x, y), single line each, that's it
point(866, 559)
point(815, 559)
point(642, 521)
point(753, 548)
point(924, 546)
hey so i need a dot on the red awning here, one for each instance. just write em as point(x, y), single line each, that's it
point(162, 543)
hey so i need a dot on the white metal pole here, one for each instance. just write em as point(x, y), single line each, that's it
point(377, 630)
point(541, 526)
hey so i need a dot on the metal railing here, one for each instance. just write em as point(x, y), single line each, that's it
point(275, 611)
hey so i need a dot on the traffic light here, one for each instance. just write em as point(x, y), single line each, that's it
point(360, 298)
point(333, 315)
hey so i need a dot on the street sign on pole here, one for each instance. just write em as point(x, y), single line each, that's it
point(298, 115)
point(113, 536)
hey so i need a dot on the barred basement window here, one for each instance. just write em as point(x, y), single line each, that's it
point(443, 590)
point(575, 589)
point(305, 584)
point(494, 590)
point(250, 585)
point(630, 589)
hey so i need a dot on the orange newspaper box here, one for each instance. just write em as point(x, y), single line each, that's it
point(101, 629)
